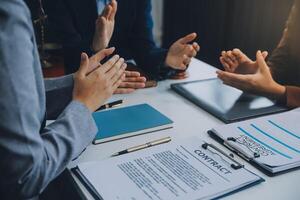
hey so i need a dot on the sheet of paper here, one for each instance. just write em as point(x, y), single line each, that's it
point(275, 138)
point(171, 171)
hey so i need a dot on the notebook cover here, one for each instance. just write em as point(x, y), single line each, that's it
point(118, 122)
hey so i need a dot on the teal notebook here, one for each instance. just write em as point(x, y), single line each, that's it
point(129, 121)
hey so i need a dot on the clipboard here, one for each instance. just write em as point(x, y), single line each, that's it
point(245, 157)
point(91, 189)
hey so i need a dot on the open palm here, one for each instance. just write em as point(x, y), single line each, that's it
point(105, 25)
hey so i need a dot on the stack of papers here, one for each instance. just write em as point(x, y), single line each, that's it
point(170, 171)
point(274, 139)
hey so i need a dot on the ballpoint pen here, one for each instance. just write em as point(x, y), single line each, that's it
point(111, 105)
point(143, 146)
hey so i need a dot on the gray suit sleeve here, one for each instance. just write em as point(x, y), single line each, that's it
point(31, 155)
point(58, 95)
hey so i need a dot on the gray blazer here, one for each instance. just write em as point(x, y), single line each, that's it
point(32, 155)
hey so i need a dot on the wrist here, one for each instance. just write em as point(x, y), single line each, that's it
point(83, 102)
point(278, 91)
point(96, 47)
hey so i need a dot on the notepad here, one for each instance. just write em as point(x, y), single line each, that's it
point(271, 143)
point(177, 171)
point(129, 121)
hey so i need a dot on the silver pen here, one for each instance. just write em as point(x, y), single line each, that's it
point(143, 146)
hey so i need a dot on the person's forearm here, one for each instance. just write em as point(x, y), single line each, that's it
point(60, 142)
point(277, 92)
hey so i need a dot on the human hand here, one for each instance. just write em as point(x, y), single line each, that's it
point(181, 52)
point(93, 88)
point(133, 81)
point(105, 26)
point(237, 62)
point(261, 82)
point(94, 61)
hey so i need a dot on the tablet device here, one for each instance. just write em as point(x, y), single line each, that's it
point(224, 102)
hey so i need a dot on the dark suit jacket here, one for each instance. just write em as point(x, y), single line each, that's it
point(285, 60)
point(74, 20)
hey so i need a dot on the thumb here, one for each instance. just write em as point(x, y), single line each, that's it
point(262, 65)
point(84, 64)
point(187, 39)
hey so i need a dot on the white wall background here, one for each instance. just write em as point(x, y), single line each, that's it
point(157, 13)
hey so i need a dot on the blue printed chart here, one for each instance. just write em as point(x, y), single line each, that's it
point(275, 138)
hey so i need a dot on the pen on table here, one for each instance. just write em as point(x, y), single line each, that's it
point(111, 105)
point(143, 146)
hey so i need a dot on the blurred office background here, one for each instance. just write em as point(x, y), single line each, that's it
point(221, 24)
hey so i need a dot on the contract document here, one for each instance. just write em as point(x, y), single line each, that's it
point(190, 169)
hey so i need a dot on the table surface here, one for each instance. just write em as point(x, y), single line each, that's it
point(190, 120)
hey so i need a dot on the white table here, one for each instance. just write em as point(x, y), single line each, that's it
point(190, 120)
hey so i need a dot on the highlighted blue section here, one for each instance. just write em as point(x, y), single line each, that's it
point(268, 146)
point(275, 139)
point(284, 129)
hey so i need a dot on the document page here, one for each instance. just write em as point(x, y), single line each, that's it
point(275, 138)
point(171, 171)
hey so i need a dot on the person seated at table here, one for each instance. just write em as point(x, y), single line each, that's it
point(90, 26)
point(33, 154)
point(279, 78)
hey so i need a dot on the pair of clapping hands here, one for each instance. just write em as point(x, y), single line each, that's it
point(251, 76)
point(179, 55)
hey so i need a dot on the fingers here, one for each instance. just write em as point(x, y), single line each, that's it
point(118, 73)
point(135, 79)
point(132, 85)
point(98, 57)
point(261, 61)
point(114, 6)
point(84, 65)
point(265, 54)
point(107, 11)
point(118, 82)
point(233, 78)
point(196, 46)
point(109, 64)
point(186, 60)
point(230, 57)
point(187, 39)
point(124, 90)
point(132, 74)
point(225, 64)
point(228, 61)
point(190, 51)
point(116, 69)
point(239, 55)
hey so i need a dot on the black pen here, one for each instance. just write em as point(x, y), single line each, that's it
point(111, 105)
point(143, 146)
